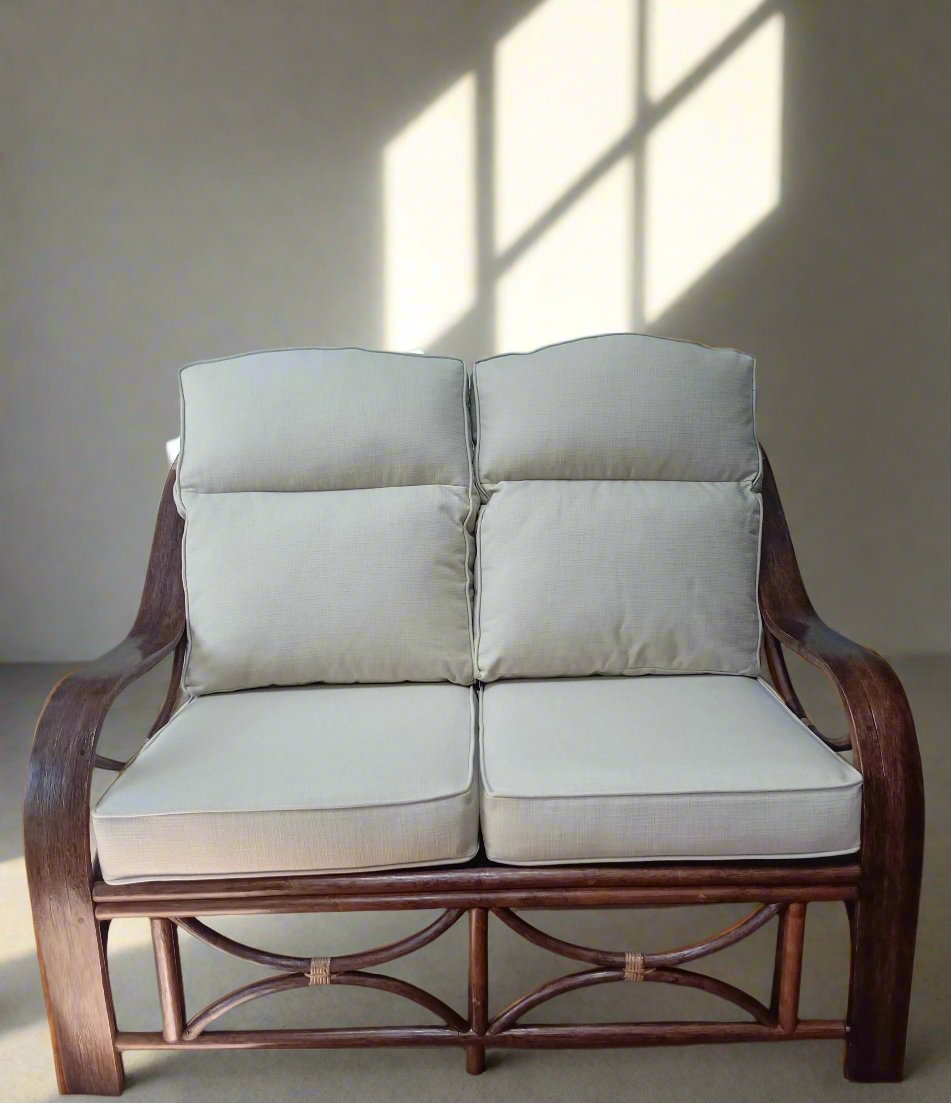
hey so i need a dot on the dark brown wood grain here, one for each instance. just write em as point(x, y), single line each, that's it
point(554, 1036)
point(886, 752)
point(507, 1019)
point(287, 981)
point(168, 972)
point(523, 899)
point(56, 823)
point(326, 1038)
point(339, 963)
point(779, 672)
point(174, 685)
point(787, 974)
point(610, 1035)
point(478, 987)
point(736, 932)
point(483, 875)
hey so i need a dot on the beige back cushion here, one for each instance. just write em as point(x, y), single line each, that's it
point(621, 526)
point(328, 512)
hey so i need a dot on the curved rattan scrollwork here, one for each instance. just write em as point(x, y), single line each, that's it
point(510, 1015)
point(779, 673)
point(659, 968)
point(287, 981)
point(614, 959)
point(300, 972)
point(340, 964)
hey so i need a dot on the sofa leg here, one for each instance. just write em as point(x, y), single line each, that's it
point(475, 1060)
point(478, 987)
point(883, 952)
point(75, 978)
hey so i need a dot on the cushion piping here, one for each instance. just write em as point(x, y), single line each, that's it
point(472, 782)
point(750, 671)
point(497, 794)
point(785, 857)
point(291, 872)
point(486, 489)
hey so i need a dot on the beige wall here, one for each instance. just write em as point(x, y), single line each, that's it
point(188, 178)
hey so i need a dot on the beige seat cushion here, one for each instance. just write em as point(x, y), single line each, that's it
point(679, 767)
point(309, 779)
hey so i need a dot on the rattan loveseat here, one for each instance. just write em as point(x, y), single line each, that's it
point(478, 642)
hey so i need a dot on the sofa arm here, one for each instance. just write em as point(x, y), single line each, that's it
point(880, 722)
point(884, 919)
point(70, 942)
point(56, 806)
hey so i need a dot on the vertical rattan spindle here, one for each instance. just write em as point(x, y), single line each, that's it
point(168, 971)
point(788, 972)
point(478, 986)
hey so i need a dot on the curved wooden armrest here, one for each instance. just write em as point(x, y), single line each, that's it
point(879, 717)
point(56, 807)
point(70, 943)
point(103, 762)
point(779, 672)
point(885, 748)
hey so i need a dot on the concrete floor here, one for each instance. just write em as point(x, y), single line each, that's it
point(802, 1071)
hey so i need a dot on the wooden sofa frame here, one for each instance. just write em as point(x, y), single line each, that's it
point(73, 907)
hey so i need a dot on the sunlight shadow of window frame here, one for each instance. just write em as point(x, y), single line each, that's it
point(493, 274)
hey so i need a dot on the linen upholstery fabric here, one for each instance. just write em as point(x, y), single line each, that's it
point(328, 504)
point(582, 578)
point(294, 780)
point(631, 769)
point(621, 528)
point(616, 406)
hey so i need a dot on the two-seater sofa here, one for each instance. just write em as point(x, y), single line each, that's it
point(477, 642)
